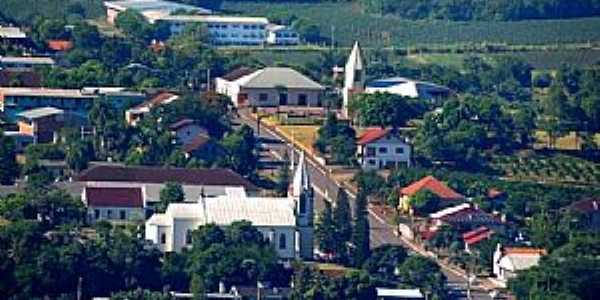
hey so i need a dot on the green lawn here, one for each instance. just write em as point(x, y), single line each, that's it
point(350, 23)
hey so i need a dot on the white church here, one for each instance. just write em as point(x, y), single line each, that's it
point(355, 83)
point(287, 222)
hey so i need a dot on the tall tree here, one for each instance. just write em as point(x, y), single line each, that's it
point(325, 230)
point(360, 235)
point(9, 170)
point(241, 155)
point(342, 219)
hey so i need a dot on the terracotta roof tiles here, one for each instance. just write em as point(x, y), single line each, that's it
point(372, 134)
point(433, 185)
point(114, 197)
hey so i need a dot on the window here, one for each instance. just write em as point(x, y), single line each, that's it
point(370, 151)
point(282, 241)
point(96, 214)
point(302, 203)
point(163, 238)
point(283, 99)
point(188, 237)
point(371, 162)
point(357, 75)
point(109, 214)
point(122, 214)
point(382, 150)
point(399, 150)
point(301, 99)
point(263, 97)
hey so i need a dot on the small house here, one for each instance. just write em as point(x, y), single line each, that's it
point(508, 261)
point(383, 148)
point(114, 204)
point(431, 184)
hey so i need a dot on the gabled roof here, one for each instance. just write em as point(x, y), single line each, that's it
point(371, 135)
point(60, 45)
point(196, 143)
point(234, 206)
point(160, 175)
point(158, 99)
point(477, 235)
point(40, 113)
point(238, 73)
point(520, 258)
point(433, 185)
point(586, 206)
point(274, 77)
point(114, 197)
point(181, 123)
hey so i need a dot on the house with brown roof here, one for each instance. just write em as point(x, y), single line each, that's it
point(114, 204)
point(431, 184)
point(195, 182)
point(382, 148)
point(186, 130)
point(136, 113)
point(587, 212)
point(508, 261)
point(475, 236)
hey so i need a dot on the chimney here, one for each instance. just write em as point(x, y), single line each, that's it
point(595, 205)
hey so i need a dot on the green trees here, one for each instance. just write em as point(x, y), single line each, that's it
point(360, 235)
point(170, 193)
point(240, 151)
point(236, 255)
point(133, 24)
point(342, 218)
point(9, 170)
point(566, 273)
point(336, 139)
point(309, 284)
point(197, 287)
point(333, 230)
point(422, 272)
point(282, 181)
point(425, 202)
point(383, 263)
point(325, 230)
point(382, 109)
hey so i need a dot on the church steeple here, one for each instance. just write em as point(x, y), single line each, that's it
point(302, 192)
point(354, 79)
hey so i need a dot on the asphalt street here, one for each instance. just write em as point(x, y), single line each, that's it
point(272, 151)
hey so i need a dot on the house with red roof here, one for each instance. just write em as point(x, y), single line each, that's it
point(114, 204)
point(475, 236)
point(380, 148)
point(431, 184)
point(508, 261)
point(136, 113)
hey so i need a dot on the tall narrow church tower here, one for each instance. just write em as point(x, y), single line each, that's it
point(354, 79)
point(302, 192)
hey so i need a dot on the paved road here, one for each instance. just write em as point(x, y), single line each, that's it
point(272, 150)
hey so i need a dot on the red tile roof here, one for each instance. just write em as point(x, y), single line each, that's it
point(433, 185)
point(372, 134)
point(60, 45)
point(157, 99)
point(586, 206)
point(475, 236)
point(114, 197)
point(207, 177)
point(523, 251)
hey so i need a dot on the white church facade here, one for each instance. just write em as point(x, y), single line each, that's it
point(287, 222)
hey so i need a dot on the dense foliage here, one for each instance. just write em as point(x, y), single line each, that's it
point(499, 10)
point(336, 139)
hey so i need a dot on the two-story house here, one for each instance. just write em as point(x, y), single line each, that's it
point(383, 148)
point(114, 204)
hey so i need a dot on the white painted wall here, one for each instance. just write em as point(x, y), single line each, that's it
point(385, 153)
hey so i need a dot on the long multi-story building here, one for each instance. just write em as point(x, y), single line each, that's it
point(16, 100)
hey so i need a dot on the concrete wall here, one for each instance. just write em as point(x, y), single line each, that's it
point(313, 97)
point(114, 213)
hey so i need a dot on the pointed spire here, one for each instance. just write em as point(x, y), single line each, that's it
point(355, 60)
point(300, 181)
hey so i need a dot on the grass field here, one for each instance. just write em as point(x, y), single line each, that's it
point(349, 24)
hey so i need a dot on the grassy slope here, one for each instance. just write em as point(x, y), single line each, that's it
point(27, 10)
point(351, 24)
